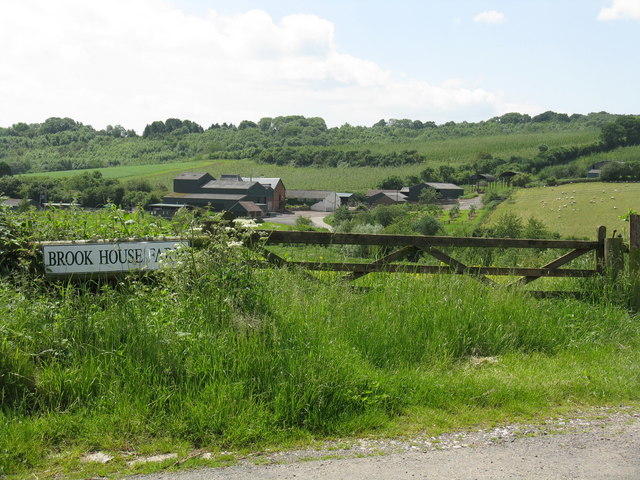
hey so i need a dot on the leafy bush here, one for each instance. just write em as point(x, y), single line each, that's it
point(427, 225)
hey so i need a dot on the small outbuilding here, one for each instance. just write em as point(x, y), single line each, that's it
point(385, 197)
point(482, 178)
point(246, 209)
point(318, 200)
point(508, 175)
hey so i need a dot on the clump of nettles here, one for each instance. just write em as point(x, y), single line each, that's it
point(221, 268)
point(16, 253)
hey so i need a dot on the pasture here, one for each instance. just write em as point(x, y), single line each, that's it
point(575, 210)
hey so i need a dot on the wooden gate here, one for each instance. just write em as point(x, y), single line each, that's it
point(406, 245)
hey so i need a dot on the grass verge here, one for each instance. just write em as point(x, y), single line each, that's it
point(217, 355)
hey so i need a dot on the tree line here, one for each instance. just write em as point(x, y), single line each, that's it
point(89, 189)
point(63, 143)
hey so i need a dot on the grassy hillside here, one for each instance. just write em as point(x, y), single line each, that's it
point(129, 172)
point(576, 209)
point(465, 149)
point(453, 152)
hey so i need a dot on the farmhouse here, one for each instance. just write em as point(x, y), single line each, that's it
point(230, 193)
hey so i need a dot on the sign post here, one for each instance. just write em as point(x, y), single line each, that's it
point(62, 259)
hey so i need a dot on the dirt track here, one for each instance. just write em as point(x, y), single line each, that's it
point(601, 444)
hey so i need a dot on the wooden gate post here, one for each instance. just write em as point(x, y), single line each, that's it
point(634, 260)
point(601, 235)
point(613, 258)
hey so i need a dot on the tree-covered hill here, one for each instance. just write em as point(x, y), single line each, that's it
point(65, 144)
point(546, 148)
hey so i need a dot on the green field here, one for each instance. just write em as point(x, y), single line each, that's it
point(349, 179)
point(463, 149)
point(576, 210)
point(129, 172)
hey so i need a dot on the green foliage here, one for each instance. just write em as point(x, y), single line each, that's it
point(624, 131)
point(172, 126)
point(507, 225)
point(521, 180)
point(303, 223)
point(90, 189)
point(427, 225)
point(63, 144)
point(15, 253)
point(5, 169)
point(391, 183)
point(342, 215)
point(618, 171)
point(428, 196)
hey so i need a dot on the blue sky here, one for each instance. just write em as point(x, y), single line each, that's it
point(130, 62)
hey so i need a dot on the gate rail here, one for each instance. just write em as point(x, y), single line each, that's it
point(410, 244)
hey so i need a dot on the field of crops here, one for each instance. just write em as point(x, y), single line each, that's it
point(576, 210)
point(464, 149)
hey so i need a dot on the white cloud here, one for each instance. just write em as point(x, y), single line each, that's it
point(131, 62)
point(491, 16)
point(621, 9)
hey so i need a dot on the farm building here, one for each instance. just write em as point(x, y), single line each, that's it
point(447, 191)
point(385, 197)
point(229, 193)
point(596, 168)
point(190, 182)
point(279, 191)
point(319, 200)
point(482, 178)
point(508, 175)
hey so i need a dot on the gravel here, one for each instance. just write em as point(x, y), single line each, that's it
point(602, 443)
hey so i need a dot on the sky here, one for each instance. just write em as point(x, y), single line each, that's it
point(131, 62)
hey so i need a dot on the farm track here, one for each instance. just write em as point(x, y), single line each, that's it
point(600, 443)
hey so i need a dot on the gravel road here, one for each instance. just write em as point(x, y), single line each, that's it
point(598, 444)
point(317, 218)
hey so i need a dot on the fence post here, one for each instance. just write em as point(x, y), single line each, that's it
point(634, 260)
point(601, 235)
point(613, 257)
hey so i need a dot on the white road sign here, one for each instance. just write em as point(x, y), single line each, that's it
point(61, 259)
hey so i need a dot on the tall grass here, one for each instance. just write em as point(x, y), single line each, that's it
point(218, 354)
